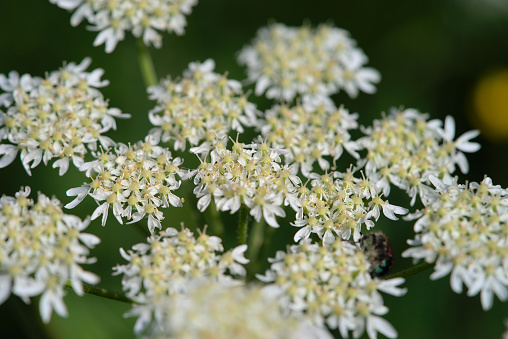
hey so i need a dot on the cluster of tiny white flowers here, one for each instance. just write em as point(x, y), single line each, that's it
point(464, 230)
point(332, 286)
point(135, 181)
point(144, 18)
point(41, 249)
point(168, 262)
point(59, 116)
point(214, 311)
point(290, 61)
point(251, 177)
point(339, 207)
point(200, 107)
point(310, 132)
point(405, 148)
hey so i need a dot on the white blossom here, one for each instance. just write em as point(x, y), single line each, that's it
point(62, 116)
point(464, 231)
point(145, 19)
point(200, 107)
point(286, 62)
point(41, 249)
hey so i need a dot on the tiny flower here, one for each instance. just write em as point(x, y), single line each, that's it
point(251, 176)
point(145, 19)
point(339, 207)
point(214, 311)
point(41, 249)
point(168, 262)
point(135, 181)
point(331, 285)
point(286, 62)
point(199, 107)
point(405, 149)
point(62, 116)
point(313, 132)
point(464, 231)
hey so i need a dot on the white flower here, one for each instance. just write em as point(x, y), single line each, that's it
point(339, 207)
point(331, 285)
point(251, 176)
point(145, 19)
point(135, 181)
point(406, 149)
point(215, 311)
point(199, 108)
point(41, 249)
point(463, 230)
point(286, 62)
point(313, 132)
point(62, 116)
point(169, 262)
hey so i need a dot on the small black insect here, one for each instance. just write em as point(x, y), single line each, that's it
point(378, 252)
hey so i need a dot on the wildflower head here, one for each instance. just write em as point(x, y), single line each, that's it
point(199, 107)
point(246, 175)
point(61, 116)
point(338, 207)
point(313, 132)
point(134, 180)
point(331, 285)
point(168, 262)
point(405, 148)
point(144, 19)
point(287, 62)
point(41, 249)
point(464, 231)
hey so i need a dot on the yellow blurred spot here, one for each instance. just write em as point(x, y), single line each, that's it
point(490, 105)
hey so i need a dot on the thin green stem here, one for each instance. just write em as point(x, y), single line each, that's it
point(243, 221)
point(411, 271)
point(105, 293)
point(213, 220)
point(146, 63)
point(256, 241)
point(260, 240)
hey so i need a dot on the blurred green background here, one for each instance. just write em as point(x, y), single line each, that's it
point(445, 57)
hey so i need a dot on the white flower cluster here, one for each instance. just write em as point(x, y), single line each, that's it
point(200, 107)
point(144, 18)
point(41, 250)
point(309, 132)
point(290, 61)
point(332, 286)
point(214, 311)
point(168, 262)
point(464, 230)
point(339, 207)
point(404, 149)
point(135, 181)
point(61, 116)
point(251, 177)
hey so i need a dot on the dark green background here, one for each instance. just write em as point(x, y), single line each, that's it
point(430, 55)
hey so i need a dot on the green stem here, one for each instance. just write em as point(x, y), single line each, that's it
point(411, 271)
point(146, 63)
point(243, 221)
point(256, 241)
point(259, 242)
point(213, 220)
point(102, 292)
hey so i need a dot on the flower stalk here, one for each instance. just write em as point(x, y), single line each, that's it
point(105, 293)
point(243, 220)
point(146, 64)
